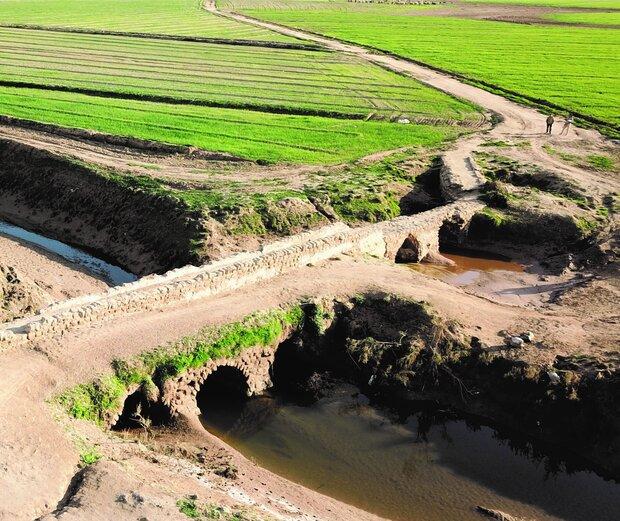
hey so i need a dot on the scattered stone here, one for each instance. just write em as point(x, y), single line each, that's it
point(553, 377)
point(516, 341)
point(528, 337)
point(227, 471)
point(404, 121)
point(495, 514)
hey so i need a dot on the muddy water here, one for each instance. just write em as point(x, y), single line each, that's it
point(468, 267)
point(419, 470)
point(110, 273)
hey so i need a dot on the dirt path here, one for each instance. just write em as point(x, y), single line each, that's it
point(517, 122)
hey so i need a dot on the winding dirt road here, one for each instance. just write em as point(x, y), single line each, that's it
point(517, 122)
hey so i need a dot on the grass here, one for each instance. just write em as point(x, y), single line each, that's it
point(574, 68)
point(268, 79)
point(94, 400)
point(600, 162)
point(90, 456)
point(587, 18)
point(496, 217)
point(193, 509)
point(252, 135)
point(171, 17)
point(601, 4)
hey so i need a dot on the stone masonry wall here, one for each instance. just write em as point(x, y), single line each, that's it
point(195, 282)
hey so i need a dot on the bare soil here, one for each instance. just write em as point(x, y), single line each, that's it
point(35, 278)
point(522, 14)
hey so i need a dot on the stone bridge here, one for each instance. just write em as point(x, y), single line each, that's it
point(419, 234)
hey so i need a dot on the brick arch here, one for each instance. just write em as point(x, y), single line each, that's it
point(254, 364)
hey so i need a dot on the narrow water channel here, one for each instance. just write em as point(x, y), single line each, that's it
point(111, 274)
point(429, 467)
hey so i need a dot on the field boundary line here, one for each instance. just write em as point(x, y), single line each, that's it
point(267, 109)
point(180, 38)
point(157, 147)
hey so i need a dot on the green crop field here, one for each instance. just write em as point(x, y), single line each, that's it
point(171, 17)
point(599, 4)
point(574, 68)
point(253, 135)
point(283, 79)
point(587, 18)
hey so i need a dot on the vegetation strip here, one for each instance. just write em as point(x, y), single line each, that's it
point(159, 36)
point(176, 101)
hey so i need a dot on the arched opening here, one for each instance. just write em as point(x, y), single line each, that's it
point(227, 386)
point(138, 413)
point(296, 373)
point(452, 235)
point(410, 251)
point(225, 407)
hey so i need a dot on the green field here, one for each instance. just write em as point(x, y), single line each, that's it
point(599, 4)
point(283, 79)
point(253, 135)
point(575, 68)
point(171, 17)
point(587, 18)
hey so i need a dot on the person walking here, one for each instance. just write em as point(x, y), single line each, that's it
point(567, 123)
point(550, 122)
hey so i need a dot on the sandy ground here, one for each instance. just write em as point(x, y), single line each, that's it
point(42, 278)
point(59, 278)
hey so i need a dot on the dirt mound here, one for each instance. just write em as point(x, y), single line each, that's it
point(19, 296)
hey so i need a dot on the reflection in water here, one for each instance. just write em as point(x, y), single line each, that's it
point(110, 273)
point(431, 467)
point(468, 266)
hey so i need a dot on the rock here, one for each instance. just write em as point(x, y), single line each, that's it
point(553, 377)
point(477, 346)
point(516, 341)
point(495, 514)
point(528, 336)
point(434, 257)
point(403, 121)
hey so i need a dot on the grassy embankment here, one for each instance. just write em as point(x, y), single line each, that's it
point(270, 204)
point(569, 68)
point(94, 400)
point(521, 196)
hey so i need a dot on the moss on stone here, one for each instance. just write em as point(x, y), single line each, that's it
point(93, 400)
